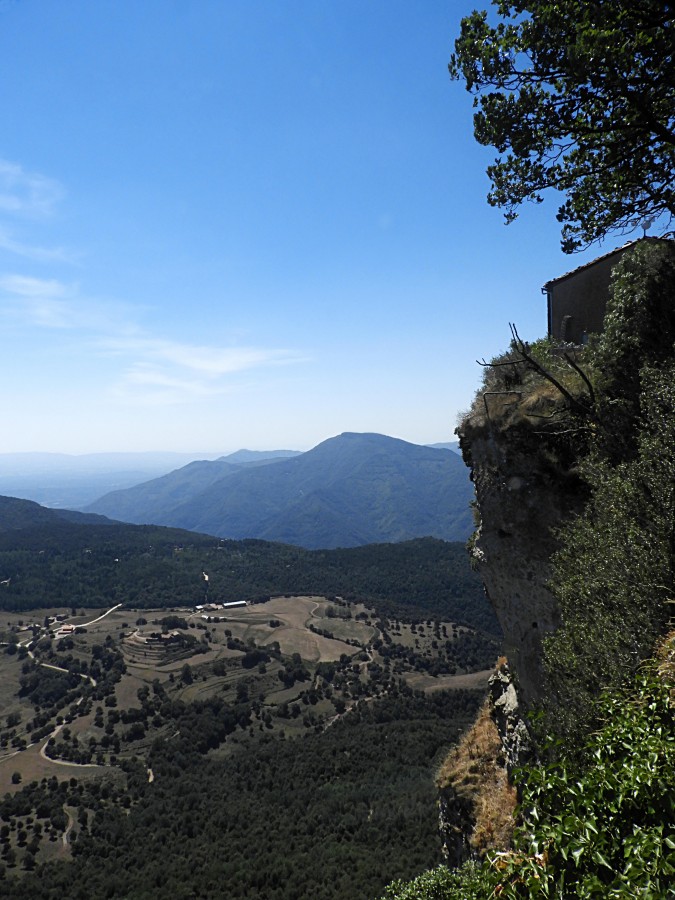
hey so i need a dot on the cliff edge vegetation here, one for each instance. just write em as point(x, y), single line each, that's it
point(573, 458)
point(572, 452)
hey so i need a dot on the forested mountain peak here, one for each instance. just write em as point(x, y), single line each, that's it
point(349, 490)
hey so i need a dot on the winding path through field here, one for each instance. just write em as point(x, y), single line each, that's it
point(69, 826)
point(64, 762)
point(102, 616)
point(68, 672)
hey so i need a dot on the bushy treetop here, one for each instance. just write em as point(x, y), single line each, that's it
point(577, 96)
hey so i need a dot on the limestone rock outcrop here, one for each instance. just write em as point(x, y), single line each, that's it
point(507, 714)
point(523, 494)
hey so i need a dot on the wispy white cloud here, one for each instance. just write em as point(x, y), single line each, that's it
point(26, 286)
point(28, 197)
point(43, 301)
point(209, 361)
point(27, 193)
point(169, 372)
point(29, 251)
point(152, 370)
point(50, 302)
point(143, 384)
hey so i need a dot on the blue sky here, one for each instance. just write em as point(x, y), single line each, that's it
point(233, 223)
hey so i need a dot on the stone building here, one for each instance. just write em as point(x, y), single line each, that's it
point(578, 299)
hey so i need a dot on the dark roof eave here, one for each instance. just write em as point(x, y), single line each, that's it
point(598, 259)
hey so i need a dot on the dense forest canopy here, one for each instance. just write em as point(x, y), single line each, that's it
point(332, 815)
point(145, 566)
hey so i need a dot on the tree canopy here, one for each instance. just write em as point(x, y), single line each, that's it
point(577, 96)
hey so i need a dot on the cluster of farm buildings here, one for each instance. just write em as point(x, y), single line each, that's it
point(206, 609)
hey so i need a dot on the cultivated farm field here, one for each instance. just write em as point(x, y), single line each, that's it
point(85, 696)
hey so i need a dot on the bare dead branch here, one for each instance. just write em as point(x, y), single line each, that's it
point(583, 375)
point(582, 408)
point(497, 365)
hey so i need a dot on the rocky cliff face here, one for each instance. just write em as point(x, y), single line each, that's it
point(507, 714)
point(456, 822)
point(526, 484)
point(523, 493)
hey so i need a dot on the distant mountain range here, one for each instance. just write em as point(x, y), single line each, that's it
point(452, 445)
point(61, 480)
point(348, 491)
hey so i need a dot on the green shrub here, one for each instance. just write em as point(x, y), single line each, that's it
point(639, 331)
point(470, 882)
point(607, 831)
point(603, 828)
point(615, 572)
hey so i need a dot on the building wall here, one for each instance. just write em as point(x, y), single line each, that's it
point(577, 303)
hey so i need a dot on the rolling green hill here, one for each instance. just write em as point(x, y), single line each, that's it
point(16, 514)
point(56, 563)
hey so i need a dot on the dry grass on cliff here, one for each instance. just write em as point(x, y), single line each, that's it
point(665, 656)
point(512, 392)
point(475, 771)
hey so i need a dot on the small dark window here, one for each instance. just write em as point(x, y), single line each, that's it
point(566, 328)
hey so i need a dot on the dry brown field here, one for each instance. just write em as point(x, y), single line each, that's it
point(420, 681)
point(33, 767)
point(292, 617)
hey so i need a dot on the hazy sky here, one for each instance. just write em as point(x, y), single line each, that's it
point(233, 223)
